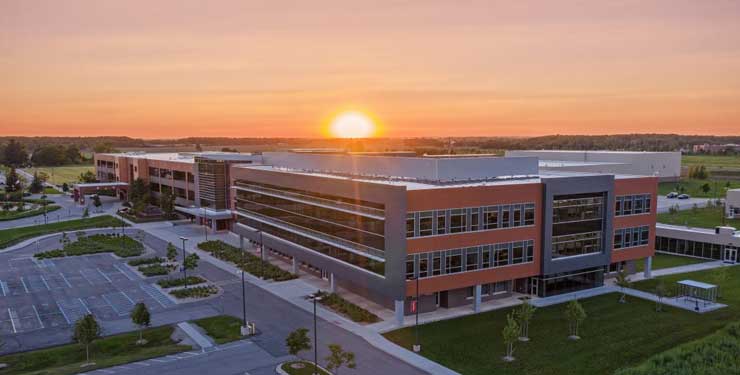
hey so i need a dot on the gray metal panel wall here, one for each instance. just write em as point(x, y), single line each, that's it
point(576, 185)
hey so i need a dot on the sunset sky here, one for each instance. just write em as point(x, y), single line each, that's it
point(177, 68)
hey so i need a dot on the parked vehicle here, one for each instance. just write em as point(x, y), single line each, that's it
point(684, 196)
point(672, 195)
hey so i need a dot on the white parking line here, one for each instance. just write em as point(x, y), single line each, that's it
point(106, 371)
point(104, 275)
point(24, 285)
point(141, 364)
point(63, 313)
point(4, 288)
point(111, 305)
point(128, 298)
point(85, 277)
point(118, 267)
point(45, 283)
point(65, 280)
point(10, 312)
point(37, 315)
point(84, 305)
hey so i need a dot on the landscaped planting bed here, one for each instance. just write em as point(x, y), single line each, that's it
point(155, 270)
point(143, 261)
point(344, 307)
point(171, 283)
point(222, 328)
point(302, 368)
point(14, 215)
point(195, 292)
point(245, 261)
point(123, 246)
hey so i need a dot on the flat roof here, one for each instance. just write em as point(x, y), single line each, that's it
point(697, 284)
point(185, 157)
point(569, 163)
point(100, 184)
point(599, 151)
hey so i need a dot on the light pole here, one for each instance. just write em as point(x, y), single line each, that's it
point(43, 203)
point(315, 297)
point(244, 295)
point(417, 347)
point(205, 219)
point(184, 270)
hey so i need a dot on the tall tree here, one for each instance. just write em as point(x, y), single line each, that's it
point(139, 191)
point(510, 334)
point(96, 202)
point(167, 203)
point(72, 155)
point(36, 185)
point(171, 252)
point(12, 182)
point(87, 330)
point(88, 177)
point(298, 341)
point(338, 358)
point(141, 317)
point(575, 314)
point(622, 281)
point(15, 154)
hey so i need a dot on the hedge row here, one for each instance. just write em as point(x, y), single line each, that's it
point(344, 307)
point(195, 292)
point(248, 262)
point(170, 283)
point(123, 246)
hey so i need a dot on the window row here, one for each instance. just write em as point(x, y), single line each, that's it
point(459, 220)
point(632, 204)
point(179, 192)
point(491, 289)
point(577, 207)
point(169, 173)
point(468, 259)
point(631, 237)
point(576, 244)
point(689, 248)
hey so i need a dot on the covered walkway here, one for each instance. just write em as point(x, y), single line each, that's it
point(79, 191)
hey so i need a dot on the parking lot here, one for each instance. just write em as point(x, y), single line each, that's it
point(45, 294)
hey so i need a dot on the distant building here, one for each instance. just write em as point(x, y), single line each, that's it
point(708, 148)
point(732, 204)
point(664, 165)
point(720, 243)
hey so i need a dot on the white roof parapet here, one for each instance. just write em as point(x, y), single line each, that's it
point(411, 168)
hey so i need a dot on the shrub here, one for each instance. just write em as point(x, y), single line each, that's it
point(248, 262)
point(123, 246)
point(170, 283)
point(342, 306)
point(154, 270)
point(195, 292)
point(143, 261)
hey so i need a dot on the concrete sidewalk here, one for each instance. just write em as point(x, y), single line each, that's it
point(682, 269)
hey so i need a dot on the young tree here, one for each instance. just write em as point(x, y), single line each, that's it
point(705, 188)
point(622, 281)
point(510, 334)
point(65, 187)
point(96, 202)
point(339, 358)
point(660, 292)
point(87, 330)
point(298, 341)
point(575, 314)
point(141, 317)
point(85, 212)
point(191, 261)
point(720, 276)
point(36, 185)
point(88, 177)
point(524, 315)
point(171, 252)
point(64, 240)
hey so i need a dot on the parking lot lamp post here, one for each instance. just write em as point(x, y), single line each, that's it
point(315, 297)
point(184, 270)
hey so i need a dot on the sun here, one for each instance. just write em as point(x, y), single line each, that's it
point(352, 125)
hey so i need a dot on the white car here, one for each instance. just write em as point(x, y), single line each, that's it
point(672, 195)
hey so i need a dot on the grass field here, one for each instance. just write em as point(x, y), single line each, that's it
point(59, 175)
point(12, 236)
point(614, 335)
point(705, 217)
point(222, 329)
point(694, 187)
point(661, 261)
point(106, 352)
point(711, 161)
point(14, 215)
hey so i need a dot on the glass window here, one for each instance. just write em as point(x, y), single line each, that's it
point(501, 287)
point(517, 253)
point(618, 238)
point(502, 255)
point(423, 265)
point(457, 220)
point(518, 218)
point(453, 262)
point(425, 223)
point(618, 207)
point(470, 292)
point(505, 216)
point(153, 172)
point(627, 238)
point(410, 225)
point(644, 235)
point(530, 251)
point(529, 214)
point(410, 267)
point(576, 244)
point(437, 264)
point(441, 221)
point(637, 205)
point(471, 259)
point(486, 255)
point(485, 289)
point(647, 204)
point(490, 217)
point(627, 205)
point(635, 236)
point(474, 219)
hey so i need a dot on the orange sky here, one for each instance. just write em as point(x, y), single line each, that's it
point(177, 68)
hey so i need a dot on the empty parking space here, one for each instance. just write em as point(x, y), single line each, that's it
point(22, 263)
point(157, 295)
point(35, 283)
point(72, 309)
point(100, 307)
point(120, 302)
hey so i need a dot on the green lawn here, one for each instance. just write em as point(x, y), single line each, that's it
point(106, 352)
point(13, 215)
point(711, 161)
point(308, 368)
point(59, 175)
point(661, 261)
point(613, 336)
point(705, 217)
point(222, 329)
point(51, 190)
point(694, 187)
point(12, 236)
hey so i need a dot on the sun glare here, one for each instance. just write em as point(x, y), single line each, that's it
point(352, 125)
